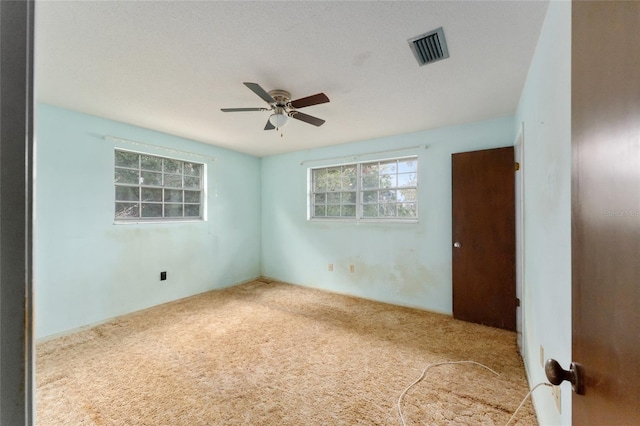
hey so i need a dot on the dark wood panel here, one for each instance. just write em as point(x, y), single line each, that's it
point(483, 208)
point(606, 210)
point(16, 212)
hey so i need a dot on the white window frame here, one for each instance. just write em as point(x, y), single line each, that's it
point(163, 186)
point(360, 204)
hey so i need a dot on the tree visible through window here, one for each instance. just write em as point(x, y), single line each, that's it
point(148, 187)
point(385, 189)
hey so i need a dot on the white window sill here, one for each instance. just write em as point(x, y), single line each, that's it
point(158, 221)
point(401, 221)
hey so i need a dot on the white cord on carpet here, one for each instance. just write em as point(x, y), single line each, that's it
point(460, 362)
point(425, 372)
point(524, 400)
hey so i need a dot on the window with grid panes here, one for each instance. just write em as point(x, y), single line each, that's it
point(375, 190)
point(149, 187)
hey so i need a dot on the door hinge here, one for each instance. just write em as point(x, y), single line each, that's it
point(517, 166)
point(517, 302)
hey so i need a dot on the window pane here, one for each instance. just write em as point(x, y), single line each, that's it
point(173, 181)
point(349, 177)
point(320, 198)
point(192, 169)
point(349, 211)
point(173, 195)
point(127, 159)
point(320, 180)
point(192, 210)
point(320, 211)
point(370, 169)
point(370, 182)
point(151, 210)
point(407, 195)
point(387, 210)
point(126, 210)
point(127, 193)
point(407, 210)
point(148, 162)
point(389, 167)
point(151, 179)
point(333, 211)
point(191, 196)
point(349, 183)
point(151, 194)
point(370, 210)
point(127, 176)
point(348, 198)
point(333, 198)
point(192, 182)
point(387, 196)
point(370, 197)
point(388, 181)
point(173, 210)
point(407, 179)
point(409, 165)
point(334, 179)
point(172, 166)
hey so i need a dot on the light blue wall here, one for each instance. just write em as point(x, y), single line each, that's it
point(407, 264)
point(545, 110)
point(87, 269)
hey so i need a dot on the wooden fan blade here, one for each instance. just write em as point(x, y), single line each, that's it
point(307, 118)
point(242, 109)
point(255, 88)
point(318, 98)
point(269, 126)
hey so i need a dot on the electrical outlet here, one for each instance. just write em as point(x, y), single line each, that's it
point(352, 268)
point(330, 268)
point(555, 390)
point(541, 356)
point(163, 276)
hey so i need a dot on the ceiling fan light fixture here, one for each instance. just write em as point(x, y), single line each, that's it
point(279, 119)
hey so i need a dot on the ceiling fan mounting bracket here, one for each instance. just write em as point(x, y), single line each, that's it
point(282, 97)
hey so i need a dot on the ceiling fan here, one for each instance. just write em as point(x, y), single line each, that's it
point(283, 107)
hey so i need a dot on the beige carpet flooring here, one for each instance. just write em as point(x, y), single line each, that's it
point(277, 354)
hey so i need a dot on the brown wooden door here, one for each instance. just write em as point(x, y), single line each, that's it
point(606, 210)
point(483, 201)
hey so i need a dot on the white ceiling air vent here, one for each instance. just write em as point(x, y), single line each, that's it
point(429, 47)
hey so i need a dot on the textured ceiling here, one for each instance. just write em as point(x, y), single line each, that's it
point(171, 65)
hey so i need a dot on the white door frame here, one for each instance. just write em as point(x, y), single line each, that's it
point(519, 184)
